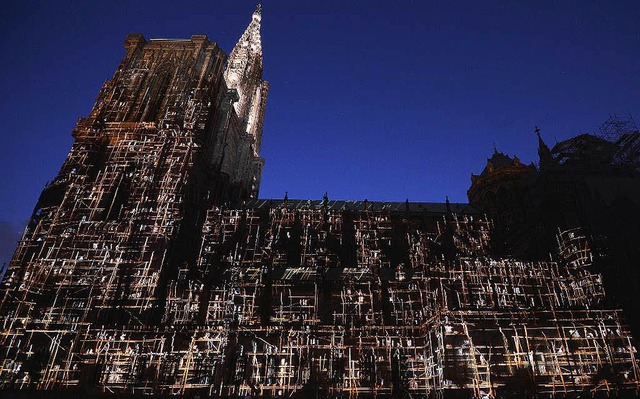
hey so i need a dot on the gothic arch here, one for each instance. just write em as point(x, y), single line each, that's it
point(158, 86)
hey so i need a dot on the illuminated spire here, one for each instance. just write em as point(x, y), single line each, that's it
point(249, 46)
point(244, 69)
point(244, 75)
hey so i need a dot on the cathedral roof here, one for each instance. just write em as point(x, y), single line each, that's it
point(585, 149)
point(500, 160)
point(414, 207)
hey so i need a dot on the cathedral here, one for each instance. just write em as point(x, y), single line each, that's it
point(151, 267)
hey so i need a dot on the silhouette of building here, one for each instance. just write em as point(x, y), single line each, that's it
point(135, 276)
point(589, 181)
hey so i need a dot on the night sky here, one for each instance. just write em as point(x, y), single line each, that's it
point(384, 100)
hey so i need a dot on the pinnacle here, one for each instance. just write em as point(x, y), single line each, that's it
point(251, 36)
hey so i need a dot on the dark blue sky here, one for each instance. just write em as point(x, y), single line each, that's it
point(384, 100)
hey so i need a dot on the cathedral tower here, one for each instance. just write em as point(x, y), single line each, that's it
point(244, 74)
point(163, 144)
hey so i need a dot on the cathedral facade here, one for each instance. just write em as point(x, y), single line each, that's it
point(135, 277)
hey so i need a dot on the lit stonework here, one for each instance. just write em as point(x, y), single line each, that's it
point(148, 269)
point(244, 74)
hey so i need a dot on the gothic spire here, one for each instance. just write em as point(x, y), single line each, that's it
point(249, 45)
point(244, 74)
point(544, 153)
